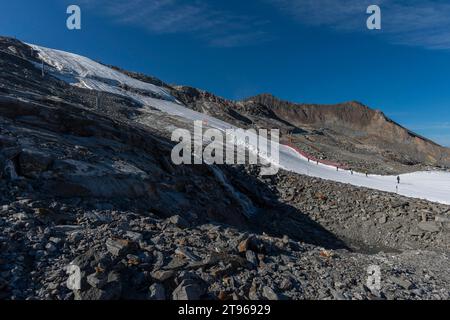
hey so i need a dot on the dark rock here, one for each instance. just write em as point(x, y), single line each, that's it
point(162, 275)
point(118, 247)
point(189, 290)
point(251, 257)
point(270, 294)
point(250, 243)
point(404, 283)
point(286, 284)
point(97, 280)
point(187, 254)
point(253, 293)
point(33, 163)
point(179, 221)
point(177, 263)
point(157, 292)
point(134, 236)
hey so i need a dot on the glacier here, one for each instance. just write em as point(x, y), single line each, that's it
point(84, 72)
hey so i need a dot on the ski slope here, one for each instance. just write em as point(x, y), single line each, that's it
point(80, 71)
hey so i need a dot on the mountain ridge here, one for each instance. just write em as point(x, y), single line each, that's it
point(427, 152)
point(351, 103)
point(372, 127)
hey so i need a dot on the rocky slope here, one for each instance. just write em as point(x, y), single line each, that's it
point(86, 181)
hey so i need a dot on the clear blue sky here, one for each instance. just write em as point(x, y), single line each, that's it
point(301, 50)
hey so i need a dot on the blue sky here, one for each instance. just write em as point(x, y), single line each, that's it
point(317, 51)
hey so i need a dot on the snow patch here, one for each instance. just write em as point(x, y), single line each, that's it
point(77, 69)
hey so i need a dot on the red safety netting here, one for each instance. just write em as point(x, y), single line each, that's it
point(314, 159)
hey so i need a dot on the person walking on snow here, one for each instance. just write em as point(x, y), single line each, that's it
point(398, 180)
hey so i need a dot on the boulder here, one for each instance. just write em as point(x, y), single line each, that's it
point(189, 290)
point(118, 247)
point(33, 163)
point(431, 227)
point(270, 294)
point(179, 221)
point(162, 275)
point(157, 292)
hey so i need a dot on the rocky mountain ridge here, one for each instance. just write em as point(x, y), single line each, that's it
point(86, 180)
point(349, 133)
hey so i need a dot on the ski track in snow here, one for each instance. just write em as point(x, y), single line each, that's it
point(84, 72)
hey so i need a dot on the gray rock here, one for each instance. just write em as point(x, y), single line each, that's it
point(400, 204)
point(159, 260)
point(251, 257)
point(431, 227)
point(383, 219)
point(97, 217)
point(286, 284)
point(117, 247)
point(66, 229)
point(111, 291)
point(404, 283)
point(157, 292)
point(270, 294)
point(177, 263)
point(55, 240)
point(134, 236)
point(179, 221)
point(188, 290)
point(187, 254)
point(337, 295)
point(187, 276)
point(442, 218)
point(51, 247)
point(162, 275)
point(253, 293)
point(96, 280)
point(20, 216)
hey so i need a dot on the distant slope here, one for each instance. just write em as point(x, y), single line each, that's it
point(357, 121)
point(349, 133)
